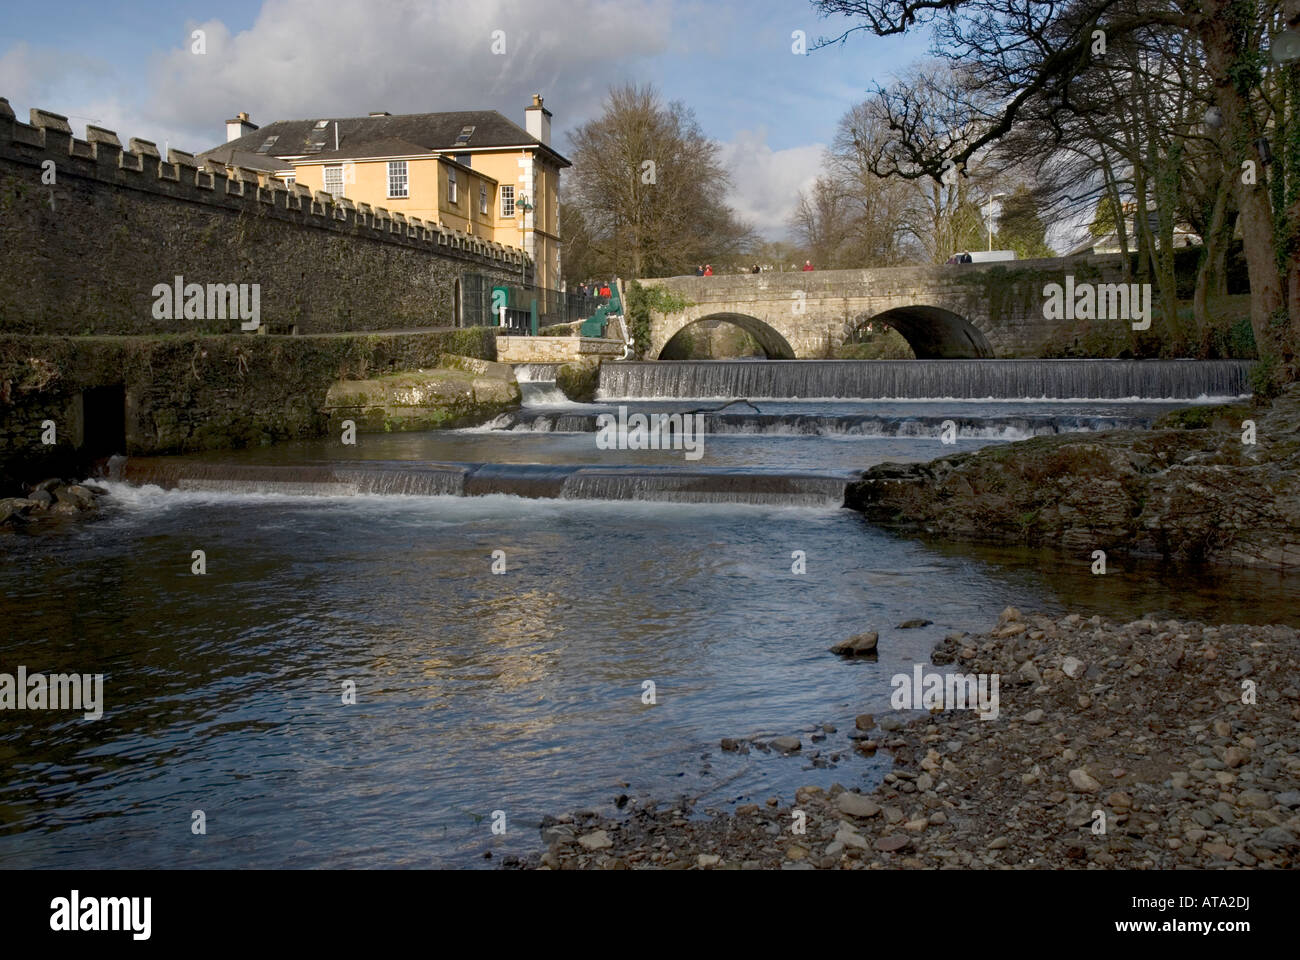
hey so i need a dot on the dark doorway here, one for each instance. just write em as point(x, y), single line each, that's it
point(104, 413)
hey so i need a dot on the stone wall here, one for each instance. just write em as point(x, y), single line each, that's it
point(186, 392)
point(556, 349)
point(82, 254)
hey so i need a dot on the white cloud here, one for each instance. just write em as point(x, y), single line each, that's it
point(302, 59)
point(766, 182)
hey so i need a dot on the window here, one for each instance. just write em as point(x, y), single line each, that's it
point(334, 179)
point(451, 186)
point(464, 135)
point(397, 183)
point(291, 179)
point(482, 198)
point(507, 201)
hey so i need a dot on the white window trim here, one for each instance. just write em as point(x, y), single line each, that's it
point(453, 192)
point(406, 180)
point(507, 195)
point(484, 202)
point(342, 191)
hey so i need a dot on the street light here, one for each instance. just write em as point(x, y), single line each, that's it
point(992, 198)
point(523, 206)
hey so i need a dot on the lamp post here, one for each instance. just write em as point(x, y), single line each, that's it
point(524, 206)
point(992, 199)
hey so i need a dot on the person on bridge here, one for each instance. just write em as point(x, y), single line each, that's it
point(604, 290)
point(807, 265)
point(699, 271)
point(708, 269)
point(754, 269)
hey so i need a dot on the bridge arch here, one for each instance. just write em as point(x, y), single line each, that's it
point(774, 345)
point(937, 334)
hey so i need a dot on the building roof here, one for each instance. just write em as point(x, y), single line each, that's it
point(377, 136)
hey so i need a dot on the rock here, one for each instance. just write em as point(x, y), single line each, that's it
point(785, 744)
point(14, 509)
point(999, 843)
point(795, 852)
point(857, 645)
point(730, 744)
point(1236, 756)
point(893, 843)
point(891, 723)
point(850, 837)
point(705, 860)
point(864, 721)
point(1291, 798)
point(1028, 673)
point(76, 494)
point(1034, 716)
point(596, 840)
point(856, 805)
point(1082, 781)
point(913, 624)
point(42, 498)
point(1072, 667)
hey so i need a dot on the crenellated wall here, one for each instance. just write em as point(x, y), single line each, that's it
point(82, 254)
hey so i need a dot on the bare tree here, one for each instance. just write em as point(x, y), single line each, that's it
point(650, 190)
point(1030, 58)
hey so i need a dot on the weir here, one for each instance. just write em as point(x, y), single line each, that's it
point(533, 481)
point(928, 379)
point(1007, 427)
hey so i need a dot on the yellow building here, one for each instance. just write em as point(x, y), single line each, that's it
point(473, 171)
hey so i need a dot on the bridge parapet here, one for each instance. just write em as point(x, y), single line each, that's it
point(950, 311)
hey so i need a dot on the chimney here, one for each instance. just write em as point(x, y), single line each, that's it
point(537, 121)
point(238, 127)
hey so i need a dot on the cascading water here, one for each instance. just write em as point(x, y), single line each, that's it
point(928, 379)
point(528, 480)
point(537, 384)
point(997, 427)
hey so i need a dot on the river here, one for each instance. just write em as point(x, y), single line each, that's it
point(522, 691)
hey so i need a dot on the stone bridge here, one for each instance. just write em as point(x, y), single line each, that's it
point(958, 311)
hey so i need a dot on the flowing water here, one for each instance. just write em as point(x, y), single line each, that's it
point(522, 690)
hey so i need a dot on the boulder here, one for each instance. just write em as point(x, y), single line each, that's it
point(857, 645)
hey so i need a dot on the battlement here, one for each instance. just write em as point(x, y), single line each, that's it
point(100, 157)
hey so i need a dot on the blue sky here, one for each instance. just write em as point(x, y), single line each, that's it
point(130, 67)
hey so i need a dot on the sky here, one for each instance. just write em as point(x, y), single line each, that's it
point(132, 68)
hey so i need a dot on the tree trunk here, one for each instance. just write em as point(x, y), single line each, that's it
point(1224, 58)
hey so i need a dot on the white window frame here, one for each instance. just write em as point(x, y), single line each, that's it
point(483, 206)
point(399, 181)
point(507, 200)
point(325, 179)
point(452, 193)
point(291, 179)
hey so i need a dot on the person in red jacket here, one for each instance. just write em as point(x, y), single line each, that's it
point(807, 265)
point(708, 269)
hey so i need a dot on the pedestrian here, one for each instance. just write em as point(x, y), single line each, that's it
point(708, 269)
point(754, 269)
point(699, 271)
point(807, 266)
point(604, 291)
